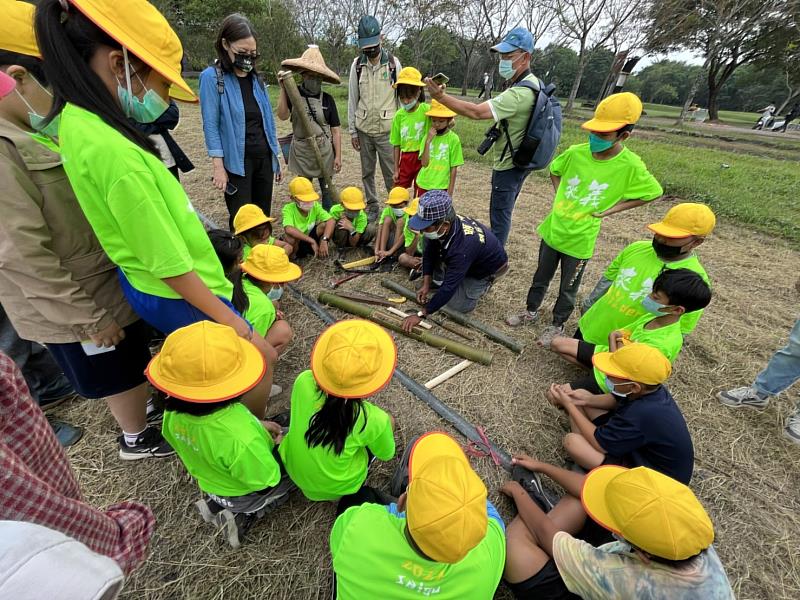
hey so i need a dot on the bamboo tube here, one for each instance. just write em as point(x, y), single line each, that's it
point(460, 318)
point(360, 263)
point(464, 351)
point(400, 313)
point(451, 372)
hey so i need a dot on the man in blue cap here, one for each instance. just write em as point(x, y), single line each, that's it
point(371, 105)
point(466, 251)
point(514, 107)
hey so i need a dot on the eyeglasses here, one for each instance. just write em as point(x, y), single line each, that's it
point(253, 55)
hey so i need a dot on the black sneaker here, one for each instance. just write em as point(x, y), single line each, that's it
point(532, 484)
point(155, 417)
point(149, 444)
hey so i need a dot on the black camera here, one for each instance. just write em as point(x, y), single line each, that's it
point(492, 135)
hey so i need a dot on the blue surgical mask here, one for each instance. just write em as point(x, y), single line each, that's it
point(598, 144)
point(36, 120)
point(610, 385)
point(653, 307)
point(506, 68)
point(409, 106)
point(275, 293)
point(146, 110)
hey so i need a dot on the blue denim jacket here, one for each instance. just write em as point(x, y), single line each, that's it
point(223, 120)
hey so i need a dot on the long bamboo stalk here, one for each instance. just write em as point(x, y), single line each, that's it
point(460, 318)
point(354, 308)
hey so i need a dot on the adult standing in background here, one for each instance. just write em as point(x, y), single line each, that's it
point(371, 106)
point(237, 120)
point(486, 87)
point(511, 109)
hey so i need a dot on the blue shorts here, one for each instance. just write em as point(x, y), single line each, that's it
point(165, 314)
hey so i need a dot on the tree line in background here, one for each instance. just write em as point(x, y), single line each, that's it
point(750, 48)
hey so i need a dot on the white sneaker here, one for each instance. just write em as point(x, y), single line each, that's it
point(524, 318)
point(740, 397)
point(792, 430)
point(551, 332)
point(276, 389)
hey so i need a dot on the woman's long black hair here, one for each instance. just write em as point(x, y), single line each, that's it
point(229, 251)
point(234, 27)
point(334, 422)
point(67, 41)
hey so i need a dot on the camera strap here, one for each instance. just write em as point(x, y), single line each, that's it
point(509, 147)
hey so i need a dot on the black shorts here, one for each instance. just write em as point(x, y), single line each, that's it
point(110, 373)
point(585, 353)
point(545, 585)
point(304, 248)
point(588, 383)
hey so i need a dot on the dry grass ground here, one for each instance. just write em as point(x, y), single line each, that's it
point(746, 474)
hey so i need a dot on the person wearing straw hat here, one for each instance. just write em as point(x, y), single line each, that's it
point(254, 227)
point(616, 300)
point(663, 548)
point(352, 226)
point(442, 538)
point(204, 369)
point(334, 431)
point(440, 154)
point(323, 116)
point(57, 284)
point(409, 126)
point(390, 224)
point(238, 126)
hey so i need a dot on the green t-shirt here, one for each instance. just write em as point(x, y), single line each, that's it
point(261, 312)
point(632, 274)
point(319, 472)
point(445, 154)
point(359, 223)
point(388, 211)
point(247, 248)
point(589, 185)
point(668, 339)
point(138, 210)
point(292, 217)
point(228, 452)
point(410, 128)
point(373, 559)
point(409, 235)
point(514, 105)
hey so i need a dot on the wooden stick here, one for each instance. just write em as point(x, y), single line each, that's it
point(360, 263)
point(400, 313)
point(439, 379)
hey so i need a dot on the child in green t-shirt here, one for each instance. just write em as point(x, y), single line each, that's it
point(351, 220)
point(390, 223)
point(592, 182)
point(409, 126)
point(253, 227)
point(307, 227)
point(440, 153)
point(334, 433)
point(411, 257)
point(204, 369)
point(676, 292)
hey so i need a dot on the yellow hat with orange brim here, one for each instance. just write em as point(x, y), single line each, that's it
point(16, 28)
point(270, 264)
point(439, 111)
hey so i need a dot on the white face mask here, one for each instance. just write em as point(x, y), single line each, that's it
point(276, 293)
point(398, 212)
point(305, 206)
point(432, 235)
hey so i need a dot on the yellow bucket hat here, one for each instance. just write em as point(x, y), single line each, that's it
point(138, 26)
point(650, 510)
point(409, 76)
point(270, 264)
point(206, 362)
point(248, 217)
point(635, 362)
point(302, 189)
point(352, 198)
point(446, 502)
point(439, 110)
point(614, 112)
point(16, 28)
point(412, 207)
point(353, 359)
point(685, 220)
point(398, 195)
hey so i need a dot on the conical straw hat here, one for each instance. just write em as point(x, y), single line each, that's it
point(312, 61)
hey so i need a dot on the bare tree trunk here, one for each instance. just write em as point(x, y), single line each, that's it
point(792, 95)
point(713, 102)
point(583, 58)
point(692, 92)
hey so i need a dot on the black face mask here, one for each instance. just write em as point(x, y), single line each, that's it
point(665, 252)
point(372, 52)
point(243, 62)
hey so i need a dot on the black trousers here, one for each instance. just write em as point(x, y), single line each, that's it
point(255, 187)
point(571, 273)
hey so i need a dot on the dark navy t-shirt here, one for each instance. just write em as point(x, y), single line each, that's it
point(649, 431)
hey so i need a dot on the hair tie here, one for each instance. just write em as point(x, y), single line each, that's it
point(64, 11)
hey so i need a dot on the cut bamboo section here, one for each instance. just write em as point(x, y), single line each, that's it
point(360, 263)
point(400, 313)
point(451, 372)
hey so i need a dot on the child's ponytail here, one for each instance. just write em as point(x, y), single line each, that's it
point(67, 41)
point(334, 422)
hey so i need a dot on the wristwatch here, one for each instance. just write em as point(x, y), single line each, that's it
point(420, 314)
point(325, 238)
point(354, 232)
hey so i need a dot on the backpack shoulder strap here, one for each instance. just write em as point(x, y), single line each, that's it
point(392, 68)
point(220, 78)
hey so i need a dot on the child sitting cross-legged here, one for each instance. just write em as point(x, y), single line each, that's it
point(253, 227)
point(204, 369)
point(389, 238)
point(334, 433)
point(413, 241)
point(351, 220)
point(307, 227)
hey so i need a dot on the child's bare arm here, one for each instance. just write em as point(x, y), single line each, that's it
point(556, 181)
point(619, 207)
point(452, 186)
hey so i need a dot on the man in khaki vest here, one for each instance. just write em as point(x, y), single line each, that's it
point(371, 106)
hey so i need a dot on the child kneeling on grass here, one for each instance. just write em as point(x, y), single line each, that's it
point(637, 424)
point(675, 292)
point(333, 432)
point(204, 369)
point(253, 227)
point(390, 223)
point(351, 220)
point(307, 227)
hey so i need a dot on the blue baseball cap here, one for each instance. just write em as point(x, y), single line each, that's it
point(369, 31)
point(518, 38)
point(433, 206)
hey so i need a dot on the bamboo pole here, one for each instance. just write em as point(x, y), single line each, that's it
point(287, 77)
point(400, 313)
point(464, 351)
point(460, 318)
point(463, 426)
point(451, 372)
